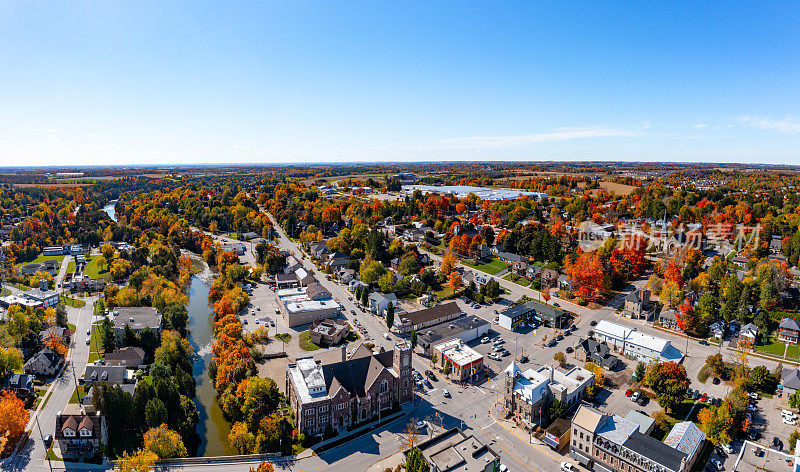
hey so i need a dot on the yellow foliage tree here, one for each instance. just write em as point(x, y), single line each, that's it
point(140, 461)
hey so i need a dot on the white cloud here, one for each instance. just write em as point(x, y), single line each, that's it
point(700, 126)
point(555, 135)
point(787, 125)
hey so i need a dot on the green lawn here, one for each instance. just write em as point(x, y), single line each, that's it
point(492, 267)
point(772, 346)
point(79, 392)
point(73, 302)
point(285, 337)
point(41, 259)
point(95, 351)
point(93, 268)
point(52, 455)
point(305, 342)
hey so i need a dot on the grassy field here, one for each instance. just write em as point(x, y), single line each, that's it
point(93, 269)
point(285, 337)
point(73, 302)
point(79, 392)
point(305, 342)
point(774, 347)
point(95, 350)
point(492, 267)
point(41, 259)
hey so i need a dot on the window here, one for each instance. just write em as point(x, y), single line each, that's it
point(581, 434)
point(310, 411)
point(384, 386)
point(323, 409)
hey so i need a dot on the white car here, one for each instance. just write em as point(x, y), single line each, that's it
point(727, 448)
point(635, 396)
point(568, 467)
point(420, 425)
point(789, 421)
point(717, 464)
point(89, 332)
point(445, 393)
point(484, 340)
point(386, 335)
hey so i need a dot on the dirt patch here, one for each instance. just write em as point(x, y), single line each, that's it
point(619, 189)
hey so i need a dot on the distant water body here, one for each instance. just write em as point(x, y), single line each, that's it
point(110, 211)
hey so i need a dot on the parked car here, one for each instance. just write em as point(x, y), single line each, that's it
point(559, 337)
point(523, 359)
point(715, 381)
point(484, 340)
point(593, 323)
point(703, 397)
point(428, 383)
point(629, 392)
point(717, 464)
point(551, 343)
point(48, 440)
point(569, 349)
point(635, 396)
point(556, 304)
point(420, 425)
point(445, 393)
point(505, 353)
point(568, 467)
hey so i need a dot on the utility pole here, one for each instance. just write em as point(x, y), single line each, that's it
point(49, 463)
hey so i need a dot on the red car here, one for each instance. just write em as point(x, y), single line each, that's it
point(629, 392)
point(703, 397)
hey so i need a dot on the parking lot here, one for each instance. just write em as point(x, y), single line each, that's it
point(756, 458)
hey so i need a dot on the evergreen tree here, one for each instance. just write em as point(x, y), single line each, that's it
point(389, 315)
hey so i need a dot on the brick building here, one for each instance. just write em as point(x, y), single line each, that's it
point(348, 391)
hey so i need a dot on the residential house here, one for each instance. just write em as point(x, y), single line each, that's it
point(348, 391)
point(788, 331)
point(379, 302)
point(533, 271)
point(45, 363)
point(107, 372)
point(590, 350)
point(638, 305)
point(131, 357)
point(749, 332)
point(137, 318)
point(549, 277)
point(80, 436)
point(776, 244)
point(533, 312)
point(510, 257)
point(718, 329)
point(20, 384)
point(328, 332)
point(55, 332)
point(790, 380)
point(519, 268)
point(668, 318)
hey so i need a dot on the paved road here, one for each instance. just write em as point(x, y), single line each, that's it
point(32, 456)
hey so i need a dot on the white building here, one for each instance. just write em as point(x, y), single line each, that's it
point(464, 360)
point(636, 345)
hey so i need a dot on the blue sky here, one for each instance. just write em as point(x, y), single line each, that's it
point(263, 82)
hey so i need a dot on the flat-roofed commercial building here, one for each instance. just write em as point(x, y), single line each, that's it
point(465, 361)
point(464, 328)
point(453, 450)
point(421, 319)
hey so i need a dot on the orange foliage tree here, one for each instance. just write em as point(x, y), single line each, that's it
point(13, 418)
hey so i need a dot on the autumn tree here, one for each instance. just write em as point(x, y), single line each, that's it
point(455, 281)
point(10, 360)
point(546, 294)
point(164, 442)
point(13, 418)
point(668, 380)
point(140, 461)
point(560, 357)
point(448, 264)
point(263, 467)
point(717, 423)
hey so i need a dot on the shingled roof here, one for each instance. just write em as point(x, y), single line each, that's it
point(357, 373)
